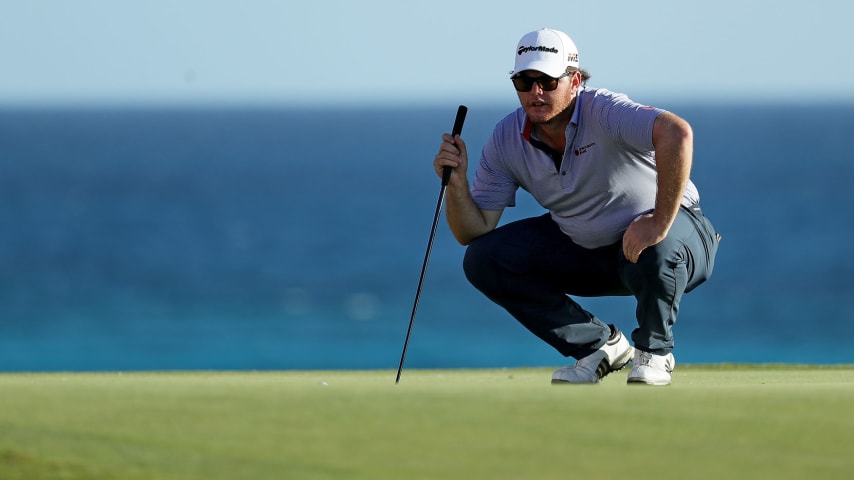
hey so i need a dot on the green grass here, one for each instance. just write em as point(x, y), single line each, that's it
point(776, 422)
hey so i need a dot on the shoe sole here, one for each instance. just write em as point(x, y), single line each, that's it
point(638, 381)
point(624, 360)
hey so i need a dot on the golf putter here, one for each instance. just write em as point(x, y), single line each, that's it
point(446, 177)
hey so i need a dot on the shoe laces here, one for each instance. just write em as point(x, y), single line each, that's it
point(644, 358)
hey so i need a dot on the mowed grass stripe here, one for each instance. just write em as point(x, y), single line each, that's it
point(716, 421)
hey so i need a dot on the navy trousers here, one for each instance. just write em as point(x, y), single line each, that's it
point(530, 268)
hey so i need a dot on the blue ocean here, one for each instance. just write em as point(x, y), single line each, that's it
point(170, 238)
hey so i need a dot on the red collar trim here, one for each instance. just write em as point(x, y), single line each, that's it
point(527, 130)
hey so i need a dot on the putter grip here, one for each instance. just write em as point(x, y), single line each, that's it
point(458, 129)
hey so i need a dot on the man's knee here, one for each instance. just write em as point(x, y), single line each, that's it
point(477, 262)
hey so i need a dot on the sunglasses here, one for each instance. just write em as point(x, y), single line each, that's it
point(523, 83)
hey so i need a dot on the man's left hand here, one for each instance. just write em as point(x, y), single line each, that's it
point(644, 232)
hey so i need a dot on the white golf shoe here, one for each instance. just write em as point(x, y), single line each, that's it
point(612, 356)
point(651, 369)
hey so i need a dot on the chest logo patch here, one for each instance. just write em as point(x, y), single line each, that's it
point(583, 150)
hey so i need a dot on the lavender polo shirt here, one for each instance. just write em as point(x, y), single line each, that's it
point(606, 177)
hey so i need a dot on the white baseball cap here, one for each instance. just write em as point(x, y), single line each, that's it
point(547, 51)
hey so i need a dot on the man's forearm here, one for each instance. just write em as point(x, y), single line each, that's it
point(465, 219)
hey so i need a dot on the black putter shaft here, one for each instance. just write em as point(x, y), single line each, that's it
point(446, 177)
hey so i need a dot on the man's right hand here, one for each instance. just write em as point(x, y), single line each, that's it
point(453, 154)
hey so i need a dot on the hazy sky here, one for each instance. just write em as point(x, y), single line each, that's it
point(404, 52)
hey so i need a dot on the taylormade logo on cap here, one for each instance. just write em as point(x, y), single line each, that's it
point(547, 51)
point(537, 49)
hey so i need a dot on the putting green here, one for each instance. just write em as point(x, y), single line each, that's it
point(780, 422)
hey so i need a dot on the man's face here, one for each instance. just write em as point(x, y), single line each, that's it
point(541, 104)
